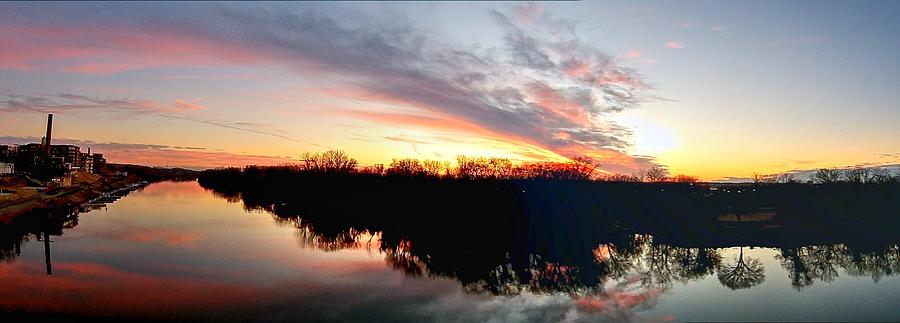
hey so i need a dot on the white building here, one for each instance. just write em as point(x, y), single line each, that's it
point(6, 168)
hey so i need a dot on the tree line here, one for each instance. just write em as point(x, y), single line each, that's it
point(577, 168)
point(878, 175)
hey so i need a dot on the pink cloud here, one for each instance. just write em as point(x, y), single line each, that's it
point(170, 237)
point(634, 53)
point(189, 158)
point(553, 102)
point(96, 289)
point(182, 105)
point(66, 102)
point(103, 50)
point(528, 12)
point(674, 44)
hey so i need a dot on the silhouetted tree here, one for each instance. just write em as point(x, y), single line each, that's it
point(405, 167)
point(881, 175)
point(584, 166)
point(377, 169)
point(785, 178)
point(655, 174)
point(332, 161)
point(471, 168)
point(857, 175)
point(501, 168)
point(826, 176)
point(683, 179)
point(434, 168)
point(620, 178)
point(763, 179)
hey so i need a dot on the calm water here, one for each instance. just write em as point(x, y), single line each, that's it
point(177, 251)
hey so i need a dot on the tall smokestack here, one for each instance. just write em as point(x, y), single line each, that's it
point(49, 130)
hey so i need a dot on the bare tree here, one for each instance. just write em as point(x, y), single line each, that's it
point(377, 169)
point(584, 166)
point(433, 168)
point(332, 161)
point(405, 167)
point(620, 178)
point(826, 176)
point(881, 175)
point(656, 174)
point(857, 175)
point(683, 179)
point(785, 178)
point(470, 168)
point(500, 168)
point(764, 179)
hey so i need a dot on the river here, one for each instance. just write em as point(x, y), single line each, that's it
point(174, 251)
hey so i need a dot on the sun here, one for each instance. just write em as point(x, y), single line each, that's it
point(648, 137)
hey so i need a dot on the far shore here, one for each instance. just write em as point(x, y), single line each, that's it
point(22, 198)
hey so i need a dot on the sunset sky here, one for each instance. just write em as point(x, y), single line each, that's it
point(716, 89)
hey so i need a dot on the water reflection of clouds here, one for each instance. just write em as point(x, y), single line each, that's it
point(173, 238)
point(244, 268)
point(97, 289)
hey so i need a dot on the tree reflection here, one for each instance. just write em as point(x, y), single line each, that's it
point(507, 237)
point(743, 273)
point(807, 264)
point(875, 263)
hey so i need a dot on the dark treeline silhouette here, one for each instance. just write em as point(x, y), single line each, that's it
point(336, 162)
point(853, 175)
point(506, 234)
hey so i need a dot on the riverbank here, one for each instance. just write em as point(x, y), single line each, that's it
point(22, 197)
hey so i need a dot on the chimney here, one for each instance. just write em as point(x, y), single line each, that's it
point(49, 130)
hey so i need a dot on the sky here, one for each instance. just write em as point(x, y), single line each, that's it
point(715, 89)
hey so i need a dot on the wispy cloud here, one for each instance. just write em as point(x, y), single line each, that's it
point(674, 44)
point(12, 101)
point(240, 126)
point(634, 53)
point(160, 155)
point(718, 28)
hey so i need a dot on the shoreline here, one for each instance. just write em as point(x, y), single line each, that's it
point(66, 198)
point(85, 189)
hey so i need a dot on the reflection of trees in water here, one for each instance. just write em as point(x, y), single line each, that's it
point(11, 245)
point(806, 265)
point(636, 259)
point(349, 238)
point(875, 264)
point(401, 258)
point(655, 264)
point(742, 273)
point(230, 197)
point(509, 237)
point(29, 227)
